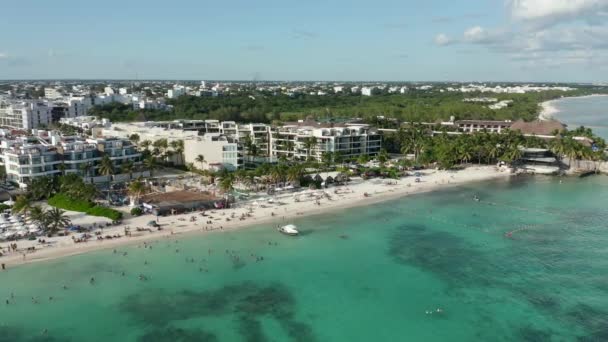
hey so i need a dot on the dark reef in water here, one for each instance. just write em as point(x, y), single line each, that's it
point(593, 320)
point(247, 301)
point(531, 334)
point(441, 253)
point(178, 335)
point(12, 334)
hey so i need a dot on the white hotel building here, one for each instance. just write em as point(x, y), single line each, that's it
point(350, 140)
point(26, 158)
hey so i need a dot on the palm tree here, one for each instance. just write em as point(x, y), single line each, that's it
point(327, 158)
point(106, 168)
point(201, 160)
point(42, 187)
point(55, 220)
point(145, 144)
point(37, 215)
point(128, 167)
point(295, 173)
point(23, 204)
point(150, 164)
point(160, 147)
point(136, 189)
point(289, 146)
point(309, 144)
point(178, 149)
point(412, 140)
point(134, 138)
point(383, 157)
point(86, 169)
point(227, 183)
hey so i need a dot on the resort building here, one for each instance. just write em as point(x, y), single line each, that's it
point(472, 126)
point(24, 114)
point(219, 151)
point(26, 158)
point(350, 140)
point(538, 128)
point(258, 134)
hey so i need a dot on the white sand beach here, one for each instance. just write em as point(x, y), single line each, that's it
point(281, 210)
point(548, 108)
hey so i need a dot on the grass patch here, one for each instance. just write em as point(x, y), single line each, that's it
point(63, 201)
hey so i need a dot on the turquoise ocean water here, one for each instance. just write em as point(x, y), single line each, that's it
point(584, 111)
point(375, 273)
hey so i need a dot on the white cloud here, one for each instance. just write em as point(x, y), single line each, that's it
point(546, 33)
point(442, 39)
point(547, 12)
point(475, 34)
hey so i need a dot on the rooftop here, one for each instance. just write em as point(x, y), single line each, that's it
point(538, 127)
point(178, 197)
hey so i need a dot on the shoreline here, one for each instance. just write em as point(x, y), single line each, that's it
point(285, 210)
point(548, 110)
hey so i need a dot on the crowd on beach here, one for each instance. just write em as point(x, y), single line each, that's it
point(280, 208)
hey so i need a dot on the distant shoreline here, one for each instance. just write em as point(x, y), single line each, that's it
point(548, 110)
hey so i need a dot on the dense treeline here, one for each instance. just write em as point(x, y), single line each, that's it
point(413, 106)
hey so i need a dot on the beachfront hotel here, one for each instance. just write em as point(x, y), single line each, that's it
point(49, 154)
point(350, 140)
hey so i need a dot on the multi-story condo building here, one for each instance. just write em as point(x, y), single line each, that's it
point(31, 157)
point(229, 128)
point(258, 135)
point(24, 114)
point(23, 162)
point(350, 140)
point(218, 150)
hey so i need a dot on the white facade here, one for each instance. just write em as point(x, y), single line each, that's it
point(25, 114)
point(218, 150)
point(348, 140)
point(52, 93)
point(176, 92)
point(31, 157)
point(367, 91)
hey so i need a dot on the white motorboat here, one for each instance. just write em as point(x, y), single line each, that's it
point(289, 229)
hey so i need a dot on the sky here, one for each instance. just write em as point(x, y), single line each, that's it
point(344, 40)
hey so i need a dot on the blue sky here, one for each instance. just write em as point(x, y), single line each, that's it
point(397, 40)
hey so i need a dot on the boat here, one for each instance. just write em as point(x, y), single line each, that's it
point(289, 229)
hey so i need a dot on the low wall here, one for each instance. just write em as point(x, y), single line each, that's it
point(585, 166)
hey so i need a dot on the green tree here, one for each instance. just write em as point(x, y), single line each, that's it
point(201, 160)
point(37, 215)
point(136, 189)
point(55, 219)
point(227, 183)
point(23, 204)
point(151, 165)
point(128, 167)
point(309, 144)
point(134, 138)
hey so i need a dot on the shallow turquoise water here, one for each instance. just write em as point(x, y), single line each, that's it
point(584, 111)
point(364, 274)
